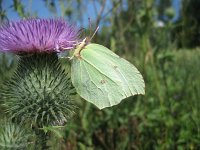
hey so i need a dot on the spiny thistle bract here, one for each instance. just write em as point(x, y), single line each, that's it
point(13, 137)
point(39, 92)
point(8, 65)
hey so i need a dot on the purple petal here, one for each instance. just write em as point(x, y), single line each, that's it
point(38, 35)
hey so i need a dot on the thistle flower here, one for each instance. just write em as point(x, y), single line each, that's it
point(37, 35)
point(40, 92)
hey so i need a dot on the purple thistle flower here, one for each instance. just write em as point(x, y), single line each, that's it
point(38, 35)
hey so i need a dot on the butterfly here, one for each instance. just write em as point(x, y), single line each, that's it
point(102, 77)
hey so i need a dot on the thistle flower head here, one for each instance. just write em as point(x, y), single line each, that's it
point(37, 35)
point(40, 92)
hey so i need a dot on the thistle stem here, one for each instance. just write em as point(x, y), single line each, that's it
point(41, 140)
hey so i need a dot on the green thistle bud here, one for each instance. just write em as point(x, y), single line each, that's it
point(40, 92)
point(13, 136)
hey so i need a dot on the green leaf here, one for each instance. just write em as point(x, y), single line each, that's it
point(56, 130)
point(103, 78)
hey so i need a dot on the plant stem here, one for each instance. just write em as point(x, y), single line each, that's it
point(41, 139)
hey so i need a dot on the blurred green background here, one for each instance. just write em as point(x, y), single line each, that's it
point(160, 37)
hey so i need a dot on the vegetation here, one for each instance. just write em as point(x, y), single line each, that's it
point(167, 117)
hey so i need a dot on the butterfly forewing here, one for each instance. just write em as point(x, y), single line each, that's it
point(103, 78)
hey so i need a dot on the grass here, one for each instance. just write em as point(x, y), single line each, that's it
point(167, 117)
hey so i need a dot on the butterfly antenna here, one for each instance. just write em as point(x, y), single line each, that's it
point(94, 33)
point(90, 24)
